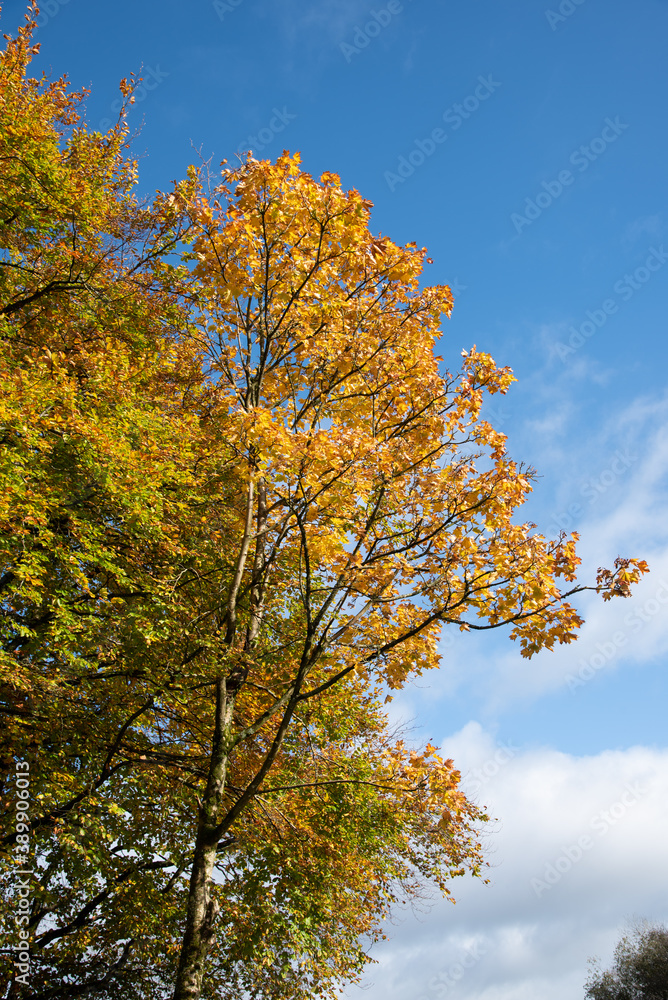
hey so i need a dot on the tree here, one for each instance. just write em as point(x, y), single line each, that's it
point(639, 970)
point(91, 365)
point(368, 524)
point(241, 498)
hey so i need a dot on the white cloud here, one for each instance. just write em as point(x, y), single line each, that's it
point(578, 849)
point(647, 225)
point(329, 19)
point(579, 846)
point(614, 494)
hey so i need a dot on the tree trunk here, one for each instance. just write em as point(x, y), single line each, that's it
point(199, 933)
point(202, 907)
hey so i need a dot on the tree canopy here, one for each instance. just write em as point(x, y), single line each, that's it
point(241, 498)
point(639, 970)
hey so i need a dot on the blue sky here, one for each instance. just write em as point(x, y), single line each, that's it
point(523, 143)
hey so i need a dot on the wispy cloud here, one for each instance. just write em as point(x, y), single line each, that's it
point(609, 484)
point(521, 944)
point(641, 228)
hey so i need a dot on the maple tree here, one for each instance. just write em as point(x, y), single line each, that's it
point(241, 499)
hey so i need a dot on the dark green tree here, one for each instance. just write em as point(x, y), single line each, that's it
point(639, 970)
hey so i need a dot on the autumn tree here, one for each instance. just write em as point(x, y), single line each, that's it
point(94, 444)
point(118, 510)
point(378, 504)
point(639, 970)
point(241, 499)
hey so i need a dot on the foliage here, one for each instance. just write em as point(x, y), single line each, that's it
point(240, 500)
point(639, 970)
